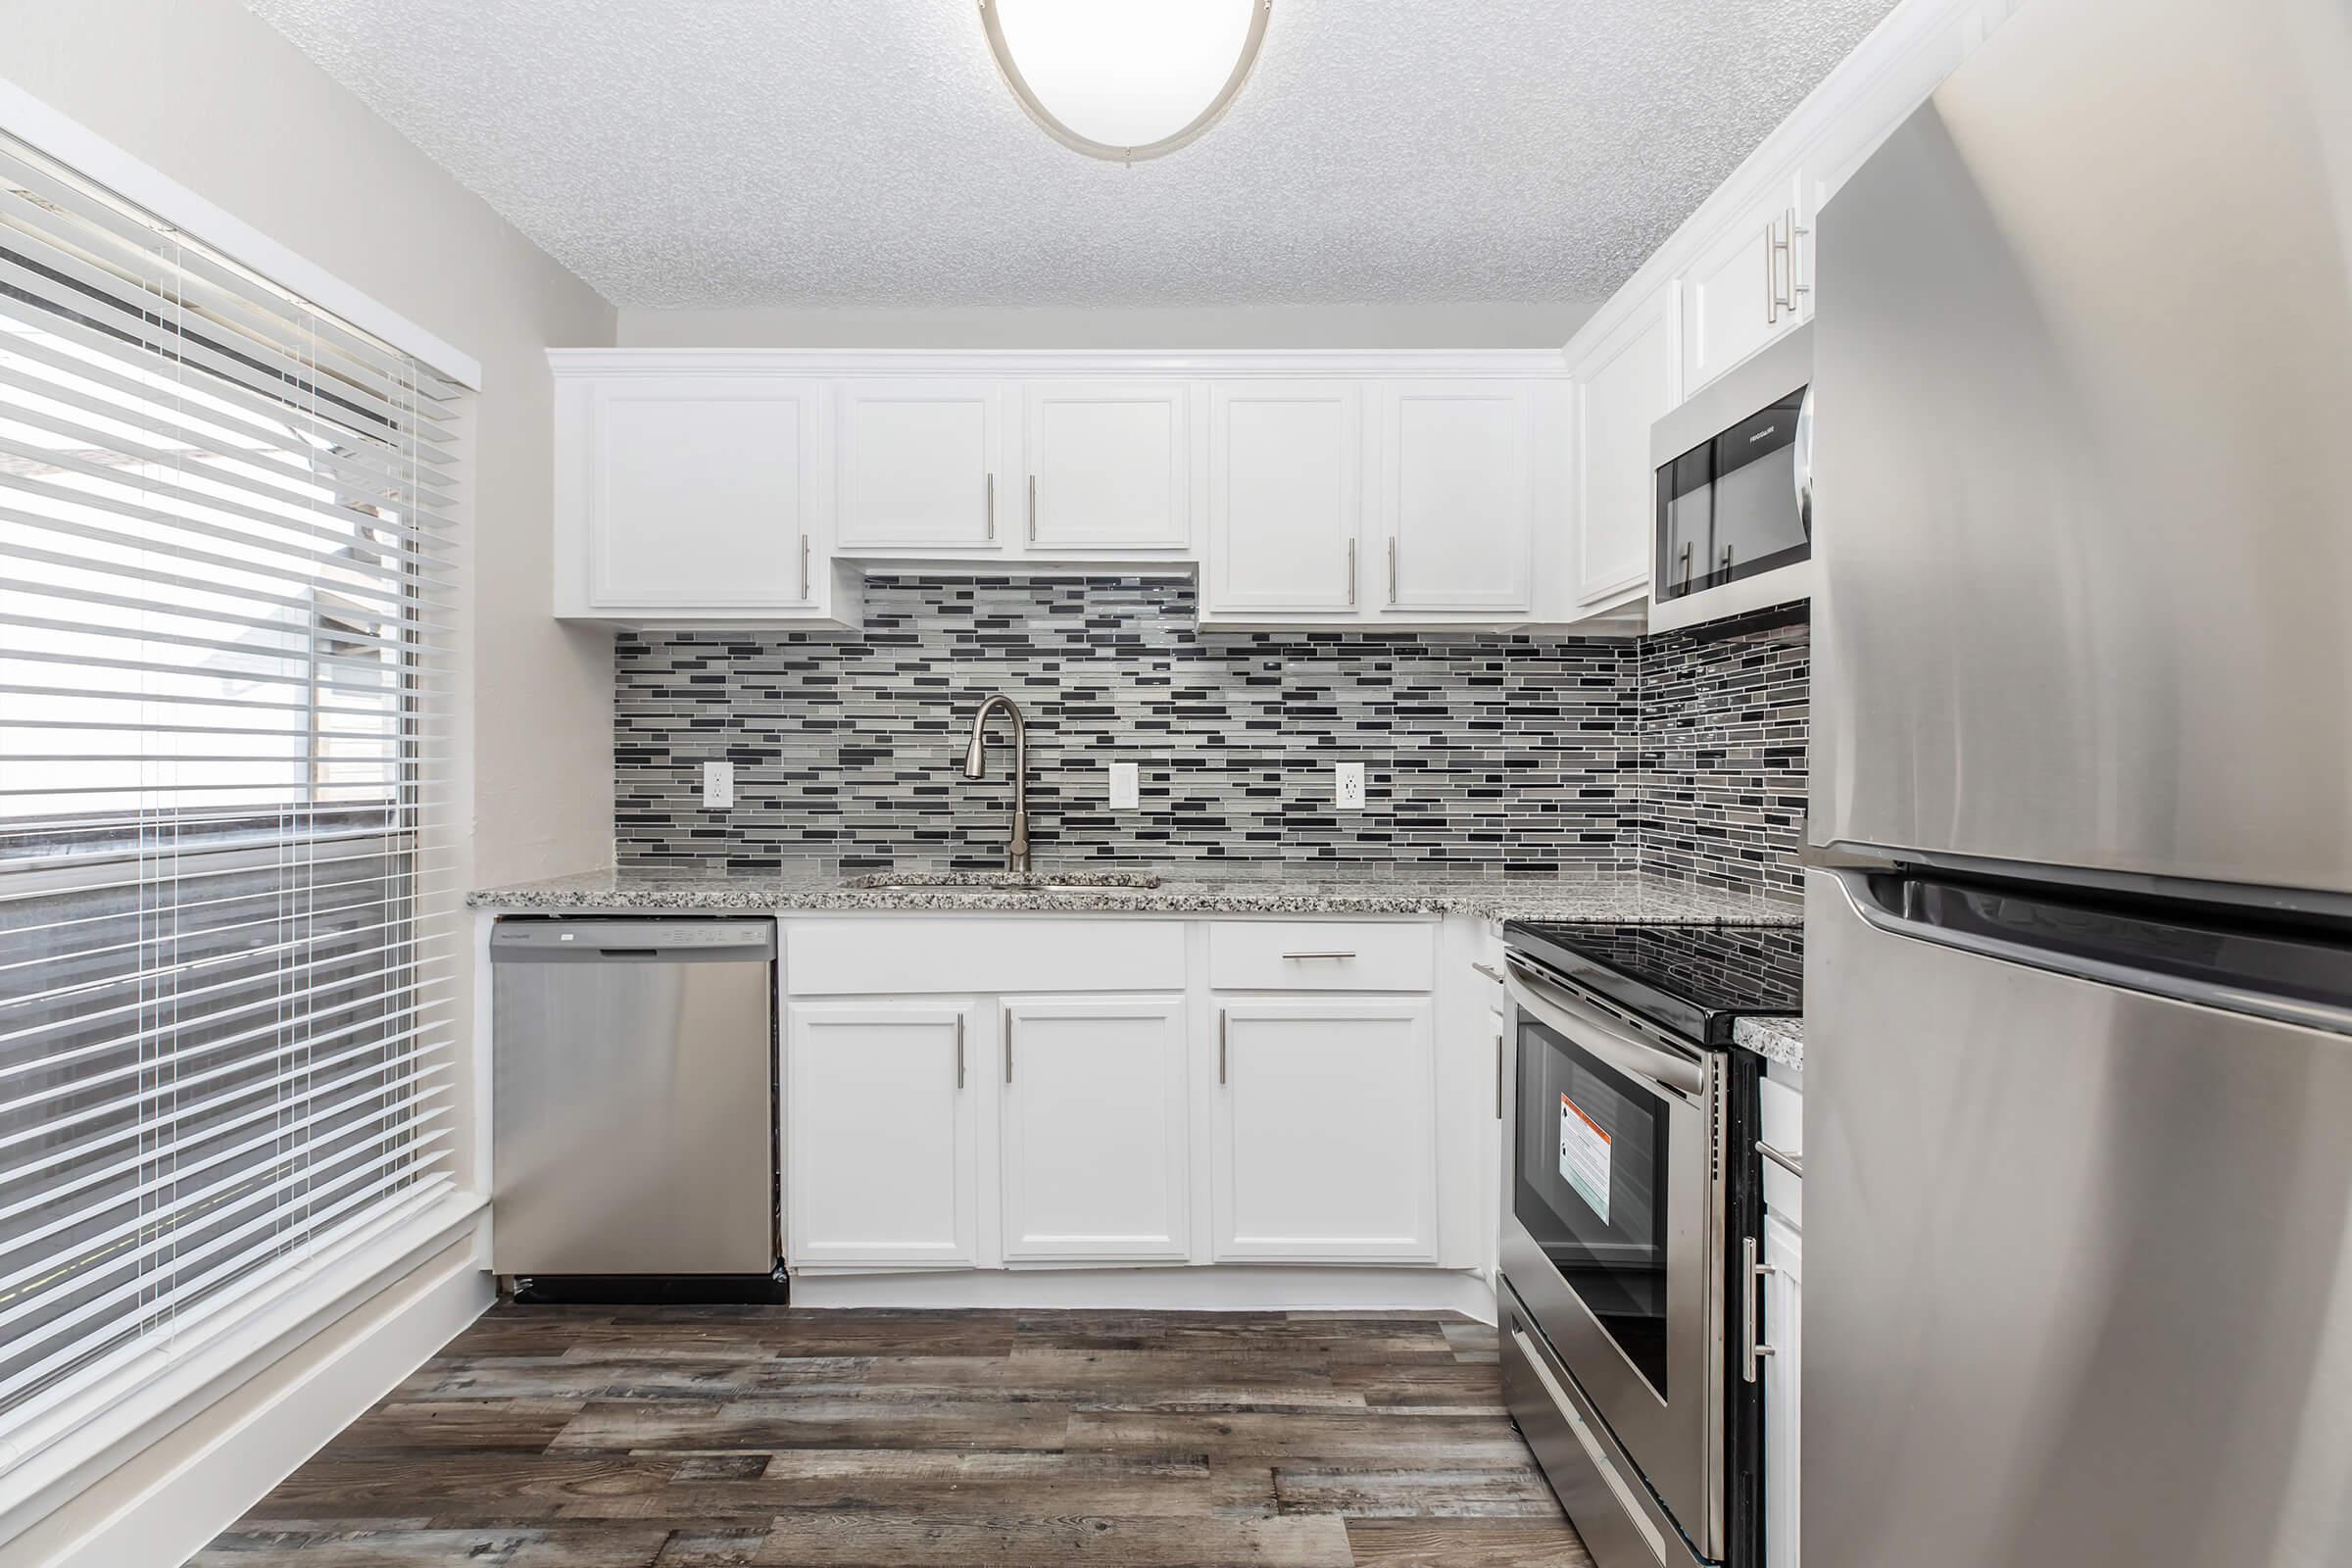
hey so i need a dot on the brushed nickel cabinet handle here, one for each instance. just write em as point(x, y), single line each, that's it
point(1498, 1076)
point(1008, 1045)
point(992, 506)
point(1220, 1044)
point(1392, 568)
point(1772, 277)
point(1033, 508)
point(1303, 956)
point(1793, 1164)
point(959, 1051)
point(1490, 971)
point(1757, 1351)
point(804, 565)
point(1351, 573)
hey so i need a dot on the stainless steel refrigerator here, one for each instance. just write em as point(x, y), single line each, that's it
point(2079, 1108)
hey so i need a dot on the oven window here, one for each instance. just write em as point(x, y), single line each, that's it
point(1590, 1189)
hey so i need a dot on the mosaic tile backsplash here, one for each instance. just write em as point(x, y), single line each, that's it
point(1482, 754)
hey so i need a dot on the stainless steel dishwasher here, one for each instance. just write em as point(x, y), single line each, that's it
point(633, 1103)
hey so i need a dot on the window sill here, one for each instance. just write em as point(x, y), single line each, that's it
point(52, 1452)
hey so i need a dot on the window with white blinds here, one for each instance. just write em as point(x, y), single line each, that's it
point(226, 566)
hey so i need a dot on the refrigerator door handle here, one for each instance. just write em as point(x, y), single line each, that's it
point(2282, 975)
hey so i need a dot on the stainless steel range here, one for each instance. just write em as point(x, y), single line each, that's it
point(1630, 1212)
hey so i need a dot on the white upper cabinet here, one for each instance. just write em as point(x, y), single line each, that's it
point(1096, 1130)
point(1309, 488)
point(1327, 1130)
point(919, 465)
point(1749, 284)
point(1456, 497)
point(1286, 476)
point(1108, 466)
point(688, 495)
point(1622, 385)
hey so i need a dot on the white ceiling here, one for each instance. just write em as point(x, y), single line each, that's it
point(739, 153)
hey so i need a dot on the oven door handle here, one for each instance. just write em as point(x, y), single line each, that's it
point(1594, 1031)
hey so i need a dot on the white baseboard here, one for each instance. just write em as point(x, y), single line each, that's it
point(154, 1499)
point(1224, 1289)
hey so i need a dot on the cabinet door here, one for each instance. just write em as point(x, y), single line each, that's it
point(699, 492)
point(879, 1139)
point(919, 465)
point(1327, 1133)
point(1285, 496)
point(1456, 499)
point(1622, 389)
point(1749, 286)
point(1783, 1331)
point(1096, 1129)
point(1111, 465)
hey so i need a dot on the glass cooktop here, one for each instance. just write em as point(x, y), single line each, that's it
point(1694, 980)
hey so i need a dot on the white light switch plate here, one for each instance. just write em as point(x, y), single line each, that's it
point(719, 785)
point(1348, 786)
point(1126, 793)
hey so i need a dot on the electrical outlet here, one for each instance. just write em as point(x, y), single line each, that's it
point(1348, 786)
point(1126, 792)
point(719, 785)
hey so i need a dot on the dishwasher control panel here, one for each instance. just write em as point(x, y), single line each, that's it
point(626, 935)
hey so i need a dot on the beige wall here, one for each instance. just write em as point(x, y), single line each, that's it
point(1252, 326)
point(208, 94)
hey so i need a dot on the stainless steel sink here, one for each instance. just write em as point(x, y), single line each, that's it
point(1004, 881)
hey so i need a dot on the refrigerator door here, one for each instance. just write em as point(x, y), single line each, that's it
point(2085, 1252)
point(2084, 455)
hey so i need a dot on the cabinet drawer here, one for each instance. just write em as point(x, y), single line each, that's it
point(1321, 955)
point(1781, 1124)
point(952, 956)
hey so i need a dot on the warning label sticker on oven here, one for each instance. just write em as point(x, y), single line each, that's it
point(1584, 1157)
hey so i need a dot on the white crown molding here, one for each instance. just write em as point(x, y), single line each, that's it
point(90, 155)
point(1475, 363)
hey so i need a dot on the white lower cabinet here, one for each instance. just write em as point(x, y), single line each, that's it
point(880, 1140)
point(1018, 1119)
point(1326, 1133)
point(1096, 1130)
point(1783, 1329)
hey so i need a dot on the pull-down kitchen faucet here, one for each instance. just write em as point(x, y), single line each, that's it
point(975, 762)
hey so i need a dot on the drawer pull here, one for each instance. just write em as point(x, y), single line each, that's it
point(1303, 956)
point(1490, 971)
point(1793, 1164)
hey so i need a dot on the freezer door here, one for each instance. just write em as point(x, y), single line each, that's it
point(2084, 454)
point(2083, 1253)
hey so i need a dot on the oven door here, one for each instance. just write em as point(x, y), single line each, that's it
point(1611, 1231)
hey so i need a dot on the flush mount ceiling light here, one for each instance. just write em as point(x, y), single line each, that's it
point(1125, 79)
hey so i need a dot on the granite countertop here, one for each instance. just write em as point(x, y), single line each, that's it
point(1776, 1040)
point(1193, 889)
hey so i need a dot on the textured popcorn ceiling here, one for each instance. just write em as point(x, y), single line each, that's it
point(733, 153)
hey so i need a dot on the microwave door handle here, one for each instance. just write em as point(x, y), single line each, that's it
point(1803, 466)
point(1594, 1031)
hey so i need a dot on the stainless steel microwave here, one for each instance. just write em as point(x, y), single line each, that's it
point(1733, 491)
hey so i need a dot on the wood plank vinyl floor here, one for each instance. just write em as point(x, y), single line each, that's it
point(731, 1436)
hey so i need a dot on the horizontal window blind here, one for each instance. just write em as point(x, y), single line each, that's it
point(226, 569)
